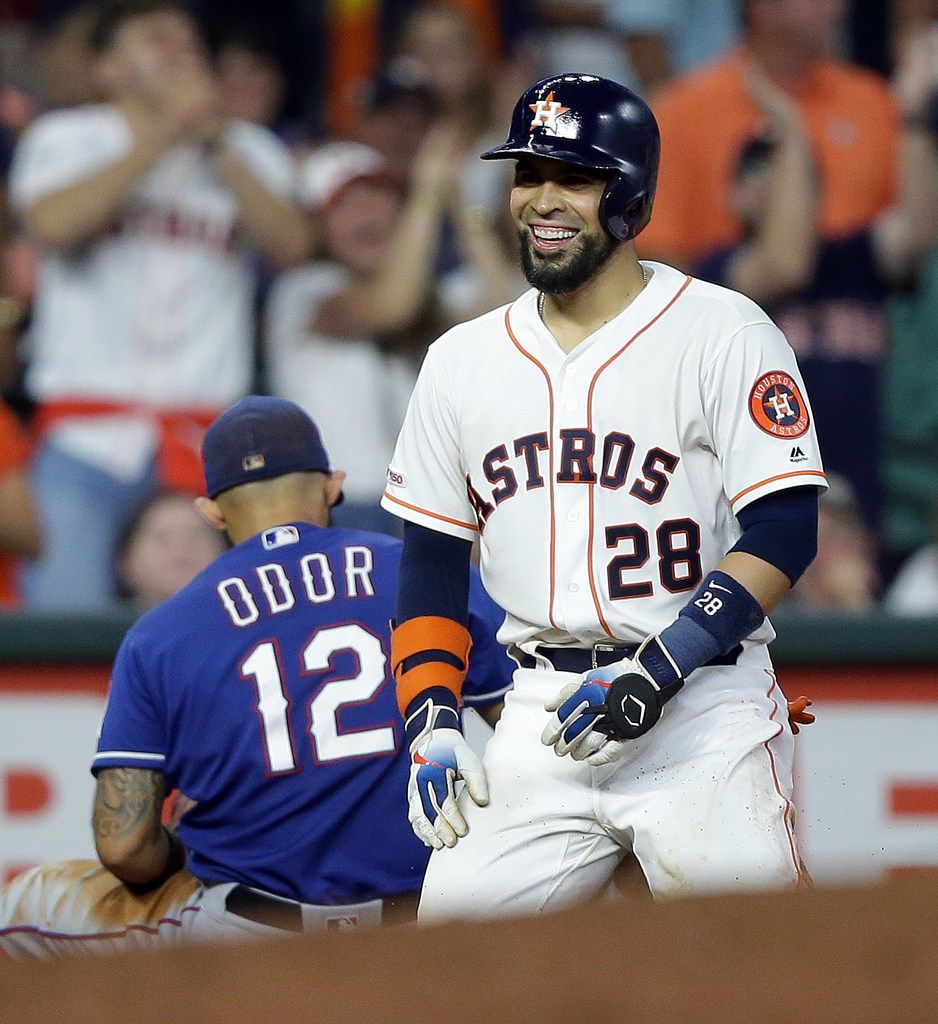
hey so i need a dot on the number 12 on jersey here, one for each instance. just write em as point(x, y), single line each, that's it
point(263, 667)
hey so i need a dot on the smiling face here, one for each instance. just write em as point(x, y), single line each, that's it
point(555, 206)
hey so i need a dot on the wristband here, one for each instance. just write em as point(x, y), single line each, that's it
point(435, 708)
point(725, 609)
point(719, 615)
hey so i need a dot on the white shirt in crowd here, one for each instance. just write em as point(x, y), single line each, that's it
point(157, 312)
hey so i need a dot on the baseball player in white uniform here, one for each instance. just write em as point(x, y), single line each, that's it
point(634, 451)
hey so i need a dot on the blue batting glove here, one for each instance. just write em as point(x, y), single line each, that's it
point(571, 729)
point(439, 756)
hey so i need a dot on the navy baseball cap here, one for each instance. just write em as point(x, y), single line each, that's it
point(257, 439)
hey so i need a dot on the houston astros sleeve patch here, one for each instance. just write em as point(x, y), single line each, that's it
point(777, 407)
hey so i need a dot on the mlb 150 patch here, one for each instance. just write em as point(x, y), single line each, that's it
point(777, 407)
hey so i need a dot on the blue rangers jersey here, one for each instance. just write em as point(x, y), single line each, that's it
point(263, 692)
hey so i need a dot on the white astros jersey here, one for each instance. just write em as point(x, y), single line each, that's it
point(604, 482)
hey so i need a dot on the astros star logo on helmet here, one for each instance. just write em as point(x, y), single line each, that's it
point(546, 112)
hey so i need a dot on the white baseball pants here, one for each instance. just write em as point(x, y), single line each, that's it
point(703, 800)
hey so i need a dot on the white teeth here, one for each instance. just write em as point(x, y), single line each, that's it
point(552, 234)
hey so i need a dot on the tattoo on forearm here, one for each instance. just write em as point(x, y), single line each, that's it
point(126, 801)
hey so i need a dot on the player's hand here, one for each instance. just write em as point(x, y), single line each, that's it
point(595, 717)
point(438, 758)
point(634, 702)
point(578, 709)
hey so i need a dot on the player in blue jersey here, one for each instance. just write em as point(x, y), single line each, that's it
point(262, 691)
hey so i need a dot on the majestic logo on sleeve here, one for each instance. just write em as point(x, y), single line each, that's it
point(777, 407)
point(554, 118)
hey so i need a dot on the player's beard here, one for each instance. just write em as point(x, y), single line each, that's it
point(559, 275)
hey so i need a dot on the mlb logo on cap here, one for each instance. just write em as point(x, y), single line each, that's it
point(252, 462)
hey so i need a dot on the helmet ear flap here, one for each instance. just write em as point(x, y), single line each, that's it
point(621, 212)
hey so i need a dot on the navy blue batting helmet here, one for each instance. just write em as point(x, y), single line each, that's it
point(592, 122)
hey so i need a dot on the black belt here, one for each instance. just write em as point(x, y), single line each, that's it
point(287, 915)
point(265, 908)
point(582, 659)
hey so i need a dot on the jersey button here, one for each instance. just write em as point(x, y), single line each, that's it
point(573, 588)
point(572, 517)
point(569, 405)
point(572, 368)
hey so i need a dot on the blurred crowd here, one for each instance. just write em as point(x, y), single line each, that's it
point(209, 198)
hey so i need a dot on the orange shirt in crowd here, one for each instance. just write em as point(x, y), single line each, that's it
point(14, 454)
point(707, 116)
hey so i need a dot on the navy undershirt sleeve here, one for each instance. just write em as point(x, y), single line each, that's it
point(434, 575)
point(781, 529)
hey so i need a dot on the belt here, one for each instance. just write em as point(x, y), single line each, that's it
point(582, 659)
point(287, 915)
point(265, 908)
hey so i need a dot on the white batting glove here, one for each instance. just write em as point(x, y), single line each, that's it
point(439, 756)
